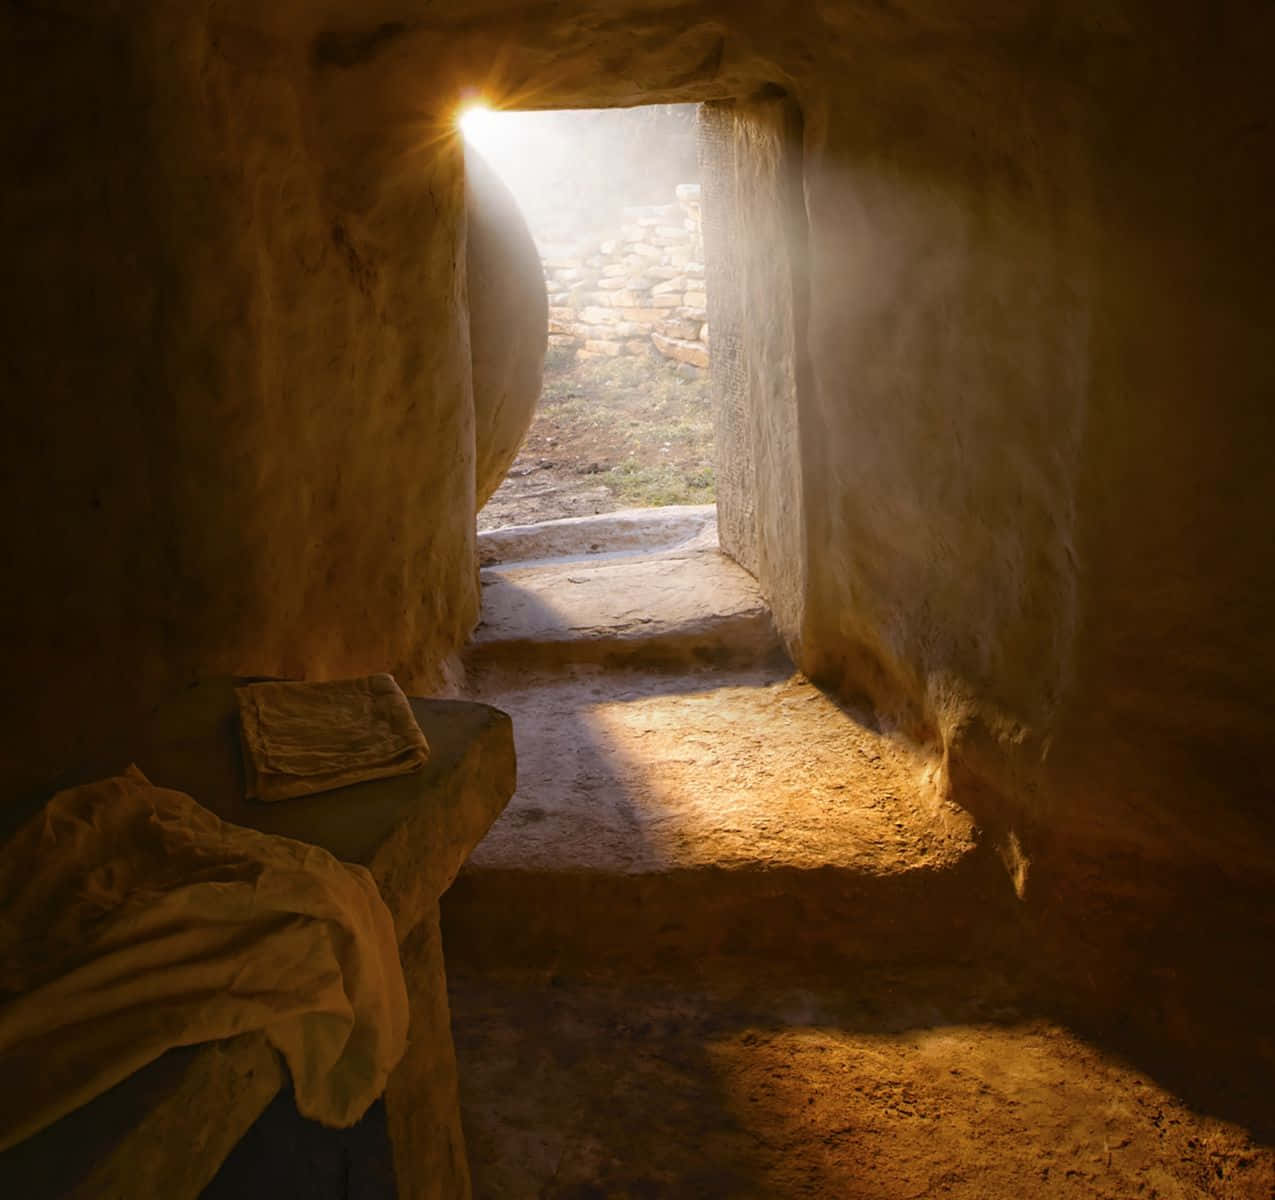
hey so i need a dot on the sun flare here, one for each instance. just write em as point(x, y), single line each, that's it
point(475, 118)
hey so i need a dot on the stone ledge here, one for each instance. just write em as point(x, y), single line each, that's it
point(626, 531)
point(165, 1130)
point(683, 606)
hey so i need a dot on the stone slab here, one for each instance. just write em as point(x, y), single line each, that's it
point(629, 530)
point(693, 605)
point(694, 353)
point(695, 817)
point(165, 1130)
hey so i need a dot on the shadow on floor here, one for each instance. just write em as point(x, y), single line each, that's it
point(899, 1083)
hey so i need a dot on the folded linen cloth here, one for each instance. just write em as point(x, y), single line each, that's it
point(133, 920)
point(311, 737)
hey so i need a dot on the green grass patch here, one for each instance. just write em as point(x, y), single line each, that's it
point(655, 486)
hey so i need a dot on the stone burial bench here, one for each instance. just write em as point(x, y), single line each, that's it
point(164, 1132)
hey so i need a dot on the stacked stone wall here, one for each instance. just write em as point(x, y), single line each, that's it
point(638, 290)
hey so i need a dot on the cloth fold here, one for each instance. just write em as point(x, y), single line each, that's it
point(133, 920)
point(301, 738)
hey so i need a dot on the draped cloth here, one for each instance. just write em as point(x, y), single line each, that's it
point(133, 920)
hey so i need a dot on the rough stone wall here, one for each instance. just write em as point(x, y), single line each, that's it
point(752, 152)
point(1039, 393)
point(638, 291)
point(732, 439)
point(949, 350)
point(238, 428)
point(1015, 489)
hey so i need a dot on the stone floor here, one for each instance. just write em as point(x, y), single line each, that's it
point(898, 1084)
point(667, 597)
point(728, 940)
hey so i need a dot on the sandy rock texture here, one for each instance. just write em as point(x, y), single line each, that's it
point(508, 323)
point(1025, 508)
point(688, 605)
point(756, 246)
point(238, 393)
point(911, 1083)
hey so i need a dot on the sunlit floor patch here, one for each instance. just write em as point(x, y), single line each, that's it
point(906, 1084)
point(633, 771)
point(668, 810)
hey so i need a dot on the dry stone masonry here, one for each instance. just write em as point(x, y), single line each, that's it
point(636, 292)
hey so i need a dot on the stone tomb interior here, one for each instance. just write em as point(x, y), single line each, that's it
point(901, 826)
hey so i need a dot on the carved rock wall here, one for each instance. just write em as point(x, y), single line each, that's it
point(238, 411)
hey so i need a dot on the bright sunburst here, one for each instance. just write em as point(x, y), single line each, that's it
point(476, 119)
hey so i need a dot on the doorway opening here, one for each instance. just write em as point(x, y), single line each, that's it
point(612, 199)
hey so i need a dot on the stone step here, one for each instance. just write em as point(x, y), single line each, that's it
point(710, 920)
point(629, 531)
point(693, 606)
point(684, 799)
point(703, 817)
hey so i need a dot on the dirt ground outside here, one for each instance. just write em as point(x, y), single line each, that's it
point(610, 433)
